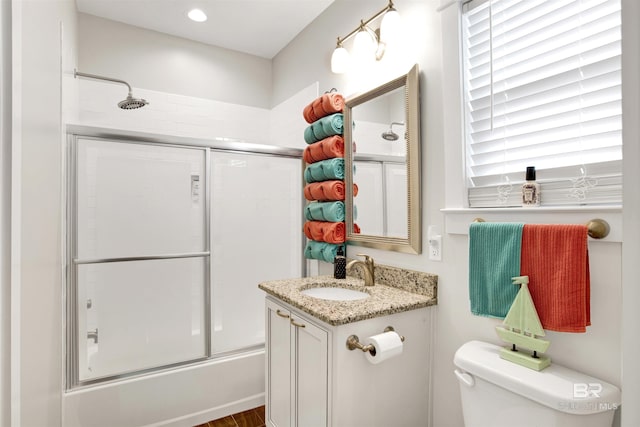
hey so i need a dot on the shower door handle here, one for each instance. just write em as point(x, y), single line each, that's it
point(93, 335)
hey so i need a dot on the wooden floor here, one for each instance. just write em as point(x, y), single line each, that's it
point(251, 418)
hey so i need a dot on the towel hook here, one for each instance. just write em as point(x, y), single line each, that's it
point(597, 228)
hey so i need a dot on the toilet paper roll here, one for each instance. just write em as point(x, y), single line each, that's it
point(387, 344)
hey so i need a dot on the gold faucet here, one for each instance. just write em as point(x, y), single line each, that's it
point(368, 268)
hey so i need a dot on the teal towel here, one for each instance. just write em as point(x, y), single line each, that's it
point(324, 170)
point(325, 211)
point(323, 128)
point(321, 250)
point(494, 258)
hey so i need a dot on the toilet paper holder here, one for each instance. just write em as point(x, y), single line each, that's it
point(353, 342)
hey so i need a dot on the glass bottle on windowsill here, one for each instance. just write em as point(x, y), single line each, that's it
point(530, 189)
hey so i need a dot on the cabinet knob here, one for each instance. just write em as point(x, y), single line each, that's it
point(281, 314)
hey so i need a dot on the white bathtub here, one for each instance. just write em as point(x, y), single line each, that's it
point(185, 396)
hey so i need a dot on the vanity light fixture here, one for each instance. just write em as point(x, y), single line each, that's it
point(368, 44)
point(197, 15)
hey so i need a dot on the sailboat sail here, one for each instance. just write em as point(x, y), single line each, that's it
point(522, 325)
point(523, 316)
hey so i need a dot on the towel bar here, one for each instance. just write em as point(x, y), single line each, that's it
point(597, 228)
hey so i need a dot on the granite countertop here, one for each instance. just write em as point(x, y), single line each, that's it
point(384, 299)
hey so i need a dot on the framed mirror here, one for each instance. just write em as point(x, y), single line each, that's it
point(382, 159)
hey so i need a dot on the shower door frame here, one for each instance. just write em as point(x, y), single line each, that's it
point(70, 300)
point(73, 263)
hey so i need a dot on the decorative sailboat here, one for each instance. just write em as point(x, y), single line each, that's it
point(522, 328)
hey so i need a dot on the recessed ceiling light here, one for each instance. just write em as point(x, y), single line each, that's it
point(197, 15)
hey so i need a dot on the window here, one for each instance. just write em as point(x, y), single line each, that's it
point(542, 87)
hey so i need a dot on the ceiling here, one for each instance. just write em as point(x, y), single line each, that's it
point(258, 27)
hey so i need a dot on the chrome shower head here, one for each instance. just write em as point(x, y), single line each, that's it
point(130, 103)
point(390, 135)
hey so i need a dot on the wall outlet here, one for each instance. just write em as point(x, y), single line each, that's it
point(435, 248)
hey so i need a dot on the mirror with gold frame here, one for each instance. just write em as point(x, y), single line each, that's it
point(382, 158)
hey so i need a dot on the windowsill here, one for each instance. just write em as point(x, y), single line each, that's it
point(457, 220)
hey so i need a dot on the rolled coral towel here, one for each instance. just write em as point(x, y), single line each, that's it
point(321, 250)
point(324, 170)
point(327, 191)
point(323, 128)
point(322, 231)
point(324, 211)
point(328, 148)
point(324, 105)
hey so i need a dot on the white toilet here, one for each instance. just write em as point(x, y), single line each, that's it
point(496, 392)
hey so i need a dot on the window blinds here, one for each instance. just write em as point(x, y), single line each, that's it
point(542, 85)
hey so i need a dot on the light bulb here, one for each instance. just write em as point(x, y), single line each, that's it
point(364, 48)
point(340, 60)
point(197, 15)
point(390, 26)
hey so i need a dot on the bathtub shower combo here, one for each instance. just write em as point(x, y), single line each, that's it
point(167, 240)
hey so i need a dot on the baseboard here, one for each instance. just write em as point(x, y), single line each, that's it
point(202, 417)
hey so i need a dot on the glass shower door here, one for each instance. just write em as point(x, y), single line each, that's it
point(140, 279)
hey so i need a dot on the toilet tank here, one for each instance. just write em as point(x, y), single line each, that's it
point(496, 392)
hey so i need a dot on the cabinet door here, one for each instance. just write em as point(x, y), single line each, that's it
point(278, 360)
point(311, 373)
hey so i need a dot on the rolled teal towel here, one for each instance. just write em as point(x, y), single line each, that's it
point(325, 211)
point(324, 170)
point(494, 258)
point(309, 138)
point(323, 128)
point(321, 251)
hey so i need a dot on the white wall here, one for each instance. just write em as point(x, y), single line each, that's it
point(434, 46)
point(5, 211)
point(151, 60)
point(631, 247)
point(43, 41)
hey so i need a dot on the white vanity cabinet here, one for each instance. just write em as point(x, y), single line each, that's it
point(313, 379)
point(297, 369)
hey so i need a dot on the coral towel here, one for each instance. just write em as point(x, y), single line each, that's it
point(327, 191)
point(556, 259)
point(323, 231)
point(324, 105)
point(328, 148)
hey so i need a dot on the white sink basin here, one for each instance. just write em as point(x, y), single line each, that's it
point(335, 294)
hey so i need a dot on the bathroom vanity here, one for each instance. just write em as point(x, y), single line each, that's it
point(313, 379)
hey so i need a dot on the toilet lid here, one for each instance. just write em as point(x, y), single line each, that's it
point(557, 387)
